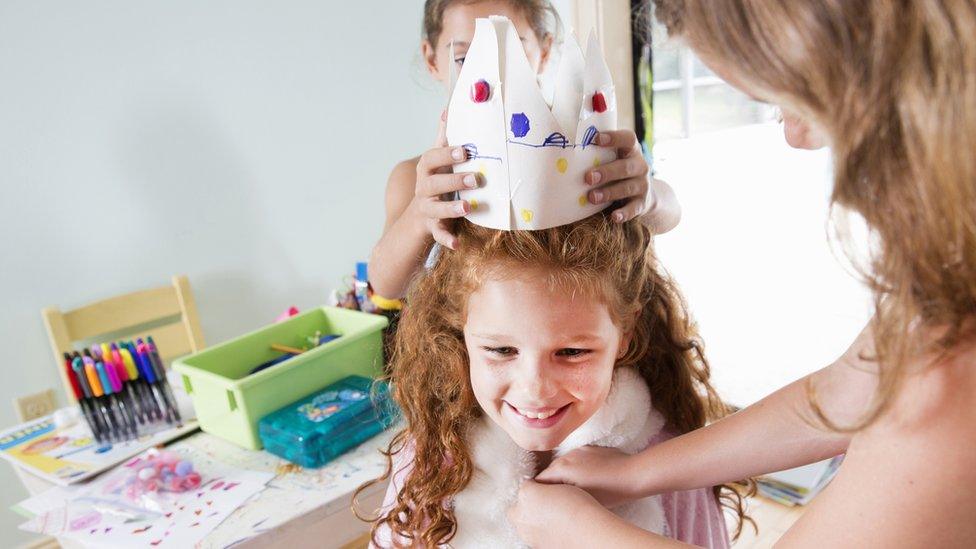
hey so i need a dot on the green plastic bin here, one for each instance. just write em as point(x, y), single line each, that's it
point(229, 402)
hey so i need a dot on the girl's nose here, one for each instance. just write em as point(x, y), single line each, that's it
point(537, 380)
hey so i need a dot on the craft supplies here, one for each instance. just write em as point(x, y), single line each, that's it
point(230, 399)
point(160, 471)
point(121, 389)
point(312, 341)
point(108, 512)
point(316, 429)
point(70, 454)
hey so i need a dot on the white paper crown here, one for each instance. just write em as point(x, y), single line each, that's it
point(532, 158)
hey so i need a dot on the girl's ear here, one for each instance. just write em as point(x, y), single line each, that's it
point(627, 337)
point(429, 53)
point(625, 340)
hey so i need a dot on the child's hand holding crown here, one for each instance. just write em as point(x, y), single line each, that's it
point(625, 179)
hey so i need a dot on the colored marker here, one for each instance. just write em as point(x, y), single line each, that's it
point(115, 427)
point(146, 372)
point(102, 431)
point(79, 394)
point(160, 369)
point(113, 389)
point(141, 385)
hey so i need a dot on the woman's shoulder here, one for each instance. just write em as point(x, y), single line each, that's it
point(908, 469)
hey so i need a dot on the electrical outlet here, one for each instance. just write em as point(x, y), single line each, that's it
point(36, 405)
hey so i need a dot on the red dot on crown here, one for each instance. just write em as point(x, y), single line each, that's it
point(480, 91)
point(599, 102)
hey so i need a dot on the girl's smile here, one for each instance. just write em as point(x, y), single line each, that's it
point(541, 358)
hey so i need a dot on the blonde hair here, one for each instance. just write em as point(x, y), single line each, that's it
point(429, 369)
point(893, 85)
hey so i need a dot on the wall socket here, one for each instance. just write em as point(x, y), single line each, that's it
point(36, 405)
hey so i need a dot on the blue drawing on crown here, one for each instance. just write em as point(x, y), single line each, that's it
point(520, 124)
point(473, 153)
point(589, 136)
point(557, 139)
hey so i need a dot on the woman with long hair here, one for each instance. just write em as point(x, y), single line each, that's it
point(890, 86)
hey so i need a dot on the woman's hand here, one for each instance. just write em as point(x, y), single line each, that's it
point(434, 180)
point(608, 474)
point(553, 515)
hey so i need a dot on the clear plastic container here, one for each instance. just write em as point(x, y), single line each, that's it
point(318, 428)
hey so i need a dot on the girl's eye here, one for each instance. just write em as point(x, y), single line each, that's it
point(501, 351)
point(459, 60)
point(572, 353)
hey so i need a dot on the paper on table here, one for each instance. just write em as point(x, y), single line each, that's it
point(70, 455)
point(95, 517)
point(532, 159)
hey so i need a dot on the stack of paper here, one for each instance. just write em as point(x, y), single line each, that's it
point(798, 486)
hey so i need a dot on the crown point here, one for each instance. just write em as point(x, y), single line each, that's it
point(599, 102)
point(480, 91)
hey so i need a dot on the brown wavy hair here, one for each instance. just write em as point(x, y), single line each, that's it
point(541, 14)
point(429, 369)
point(892, 83)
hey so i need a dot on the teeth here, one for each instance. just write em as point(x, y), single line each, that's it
point(533, 415)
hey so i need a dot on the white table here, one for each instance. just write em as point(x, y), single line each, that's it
point(299, 507)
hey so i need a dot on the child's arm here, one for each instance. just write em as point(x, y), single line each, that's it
point(774, 434)
point(416, 216)
point(627, 180)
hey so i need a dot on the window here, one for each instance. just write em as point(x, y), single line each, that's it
point(689, 98)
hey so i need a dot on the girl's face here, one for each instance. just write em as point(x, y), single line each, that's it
point(541, 359)
point(458, 25)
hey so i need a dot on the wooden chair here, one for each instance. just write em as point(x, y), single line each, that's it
point(127, 317)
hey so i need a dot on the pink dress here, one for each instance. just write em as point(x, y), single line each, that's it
point(691, 516)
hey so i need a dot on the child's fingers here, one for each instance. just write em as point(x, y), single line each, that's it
point(435, 185)
point(441, 140)
point(634, 187)
point(634, 207)
point(625, 141)
point(439, 158)
point(622, 168)
point(438, 209)
point(443, 236)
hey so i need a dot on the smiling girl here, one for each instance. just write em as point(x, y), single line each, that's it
point(525, 344)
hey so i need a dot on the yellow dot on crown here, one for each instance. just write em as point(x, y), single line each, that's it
point(527, 215)
point(474, 204)
point(483, 170)
point(583, 201)
point(596, 162)
point(562, 165)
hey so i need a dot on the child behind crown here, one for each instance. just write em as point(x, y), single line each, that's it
point(523, 344)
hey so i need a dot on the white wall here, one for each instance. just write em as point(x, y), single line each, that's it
point(243, 143)
point(752, 257)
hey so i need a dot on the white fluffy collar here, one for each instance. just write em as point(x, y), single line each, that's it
point(626, 421)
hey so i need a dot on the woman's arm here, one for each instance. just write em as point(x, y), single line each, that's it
point(557, 515)
point(775, 433)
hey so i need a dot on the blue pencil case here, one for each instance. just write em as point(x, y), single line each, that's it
point(318, 428)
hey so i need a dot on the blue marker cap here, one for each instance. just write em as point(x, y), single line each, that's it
point(142, 360)
point(103, 377)
point(361, 271)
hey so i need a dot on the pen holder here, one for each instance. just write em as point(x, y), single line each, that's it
point(229, 400)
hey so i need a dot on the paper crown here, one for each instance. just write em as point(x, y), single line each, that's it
point(531, 157)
